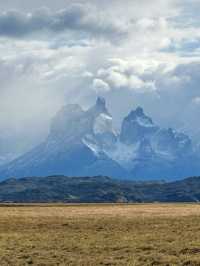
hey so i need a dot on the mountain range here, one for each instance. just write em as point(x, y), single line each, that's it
point(84, 143)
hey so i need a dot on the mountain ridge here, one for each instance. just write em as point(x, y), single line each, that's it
point(84, 143)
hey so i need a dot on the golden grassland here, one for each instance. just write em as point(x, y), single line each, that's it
point(149, 234)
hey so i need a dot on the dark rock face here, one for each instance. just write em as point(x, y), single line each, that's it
point(137, 126)
point(83, 143)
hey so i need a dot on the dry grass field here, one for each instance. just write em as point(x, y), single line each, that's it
point(154, 234)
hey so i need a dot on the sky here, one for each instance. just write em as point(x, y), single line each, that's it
point(132, 52)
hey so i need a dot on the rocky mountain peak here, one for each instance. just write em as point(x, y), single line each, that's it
point(84, 143)
point(101, 101)
point(138, 116)
point(137, 125)
point(100, 105)
point(65, 121)
point(139, 111)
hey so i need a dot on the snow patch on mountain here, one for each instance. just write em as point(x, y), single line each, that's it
point(124, 154)
point(103, 124)
point(144, 122)
point(92, 146)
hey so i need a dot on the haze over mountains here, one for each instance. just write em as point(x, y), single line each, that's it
point(84, 143)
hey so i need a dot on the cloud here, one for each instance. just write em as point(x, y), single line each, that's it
point(100, 86)
point(76, 18)
point(123, 74)
point(35, 82)
point(131, 52)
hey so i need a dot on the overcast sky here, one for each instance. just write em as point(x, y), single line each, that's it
point(136, 52)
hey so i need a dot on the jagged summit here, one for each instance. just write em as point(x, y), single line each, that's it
point(139, 117)
point(135, 126)
point(73, 121)
point(66, 122)
point(101, 102)
point(139, 111)
point(83, 143)
point(99, 107)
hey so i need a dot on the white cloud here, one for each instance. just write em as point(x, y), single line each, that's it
point(132, 52)
point(100, 86)
point(79, 19)
point(122, 76)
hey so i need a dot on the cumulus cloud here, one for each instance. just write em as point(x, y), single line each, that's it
point(100, 86)
point(123, 75)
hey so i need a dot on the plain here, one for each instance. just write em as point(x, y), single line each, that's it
point(100, 234)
